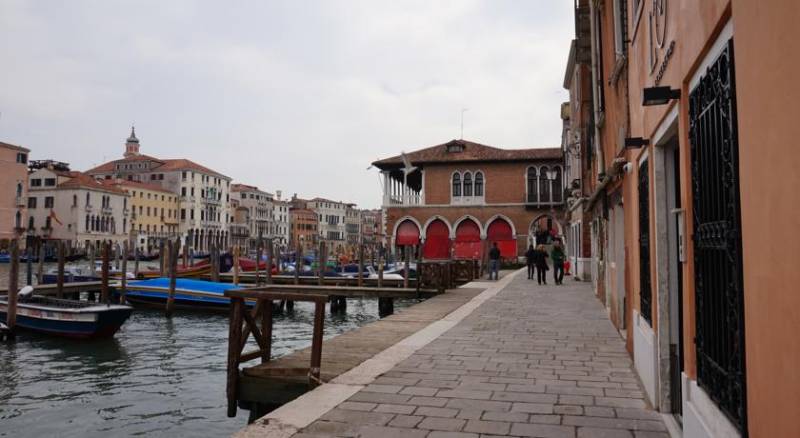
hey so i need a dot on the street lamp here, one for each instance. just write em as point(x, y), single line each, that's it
point(659, 95)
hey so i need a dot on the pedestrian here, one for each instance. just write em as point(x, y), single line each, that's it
point(558, 257)
point(530, 255)
point(494, 261)
point(540, 259)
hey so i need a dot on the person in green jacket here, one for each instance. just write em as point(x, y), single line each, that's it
point(558, 257)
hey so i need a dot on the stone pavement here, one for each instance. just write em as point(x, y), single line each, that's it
point(533, 361)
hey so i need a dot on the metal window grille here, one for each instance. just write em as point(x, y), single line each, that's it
point(645, 287)
point(719, 294)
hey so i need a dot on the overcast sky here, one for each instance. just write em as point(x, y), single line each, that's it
point(299, 96)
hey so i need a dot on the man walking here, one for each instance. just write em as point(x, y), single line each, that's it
point(530, 257)
point(558, 256)
point(494, 261)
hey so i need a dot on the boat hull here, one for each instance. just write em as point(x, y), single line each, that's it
point(190, 294)
point(84, 325)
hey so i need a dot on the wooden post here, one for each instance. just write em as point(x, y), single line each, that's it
point(270, 249)
point(136, 253)
point(186, 251)
point(234, 352)
point(259, 250)
point(162, 258)
point(298, 263)
point(29, 264)
point(173, 273)
point(236, 265)
point(115, 253)
point(361, 265)
point(406, 269)
point(316, 342)
point(385, 306)
point(92, 256)
point(380, 271)
point(40, 267)
point(266, 330)
point(320, 263)
point(104, 272)
point(124, 272)
point(60, 279)
point(13, 279)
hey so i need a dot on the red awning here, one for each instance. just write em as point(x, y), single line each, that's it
point(437, 241)
point(407, 233)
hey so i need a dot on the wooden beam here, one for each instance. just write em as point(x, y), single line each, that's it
point(13, 278)
point(234, 352)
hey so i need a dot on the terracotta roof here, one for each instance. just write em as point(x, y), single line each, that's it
point(242, 187)
point(84, 181)
point(302, 211)
point(14, 147)
point(135, 184)
point(166, 165)
point(471, 152)
point(184, 164)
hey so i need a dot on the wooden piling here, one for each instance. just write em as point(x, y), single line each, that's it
point(258, 261)
point(186, 251)
point(361, 265)
point(405, 265)
point(320, 268)
point(104, 295)
point(385, 306)
point(92, 256)
point(40, 267)
point(298, 263)
point(13, 281)
point(316, 343)
point(380, 271)
point(234, 352)
point(162, 257)
point(236, 265)
point(124, 272)
point(60, 279)
point(266, 330)
point(270, 250)
point(136, 253)
point(173, 273)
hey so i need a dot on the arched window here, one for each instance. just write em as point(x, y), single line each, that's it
point(74, 200)
point(544, 185)
point(18, 220)
point(533, 190)
point(88, 225)
point(87, 199)
point(478, 183)
point(467, 184)
point(558, 185)
point(19, 190)
point(456, 184)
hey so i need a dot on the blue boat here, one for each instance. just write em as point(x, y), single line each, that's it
point(189, 294)
point(67, 318)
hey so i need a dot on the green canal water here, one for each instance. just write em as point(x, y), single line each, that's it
point(156, 377)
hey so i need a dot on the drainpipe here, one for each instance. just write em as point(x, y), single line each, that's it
point(601, 164)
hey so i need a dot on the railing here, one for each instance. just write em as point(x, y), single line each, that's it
point(89, 207)
point(533, 199)
point(21, 201)
point(107, 210)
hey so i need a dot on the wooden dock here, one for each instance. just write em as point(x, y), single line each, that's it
point(250, 277)
point(274, 382)
point(68, 288)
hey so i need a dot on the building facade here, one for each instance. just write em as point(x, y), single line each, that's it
point(305, 229)
point(693, 138)
point(260, 206)
point(282, 234)
point(331, 216)
point(153, 213)
point(459, 197)
point(203, 194)
point(14, 180)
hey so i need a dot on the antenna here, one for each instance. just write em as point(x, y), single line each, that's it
point(463, 110)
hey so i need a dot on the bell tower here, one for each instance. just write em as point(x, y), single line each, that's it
point(132, 145)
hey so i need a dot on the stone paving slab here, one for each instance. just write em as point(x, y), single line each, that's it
point(533, 361)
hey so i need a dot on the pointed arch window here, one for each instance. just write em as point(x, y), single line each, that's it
point(467, 184)
point(544, 185)
point(478, 183)
point(18, 220)
point(558, 185)
point(456, 185)
point(533, 190)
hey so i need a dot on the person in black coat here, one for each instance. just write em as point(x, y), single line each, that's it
point(530, 255)
point(540, 260)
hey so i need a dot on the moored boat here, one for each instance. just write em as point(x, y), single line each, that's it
point(190, 294)
point(67, 318)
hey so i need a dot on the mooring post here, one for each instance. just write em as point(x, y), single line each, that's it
point(266, 331)
point(236, 265)
point(173, 273)
point(124, 272)
point(104, 272)
point(320, 263)
point(270, 249)
point(186, 251)
point(136, 261)
point(60, 279)
point(361, 265)
point(40, 266)
point(234, 352)
point(380, 270)
point(13, 279)
point(162, 256)
point(92, 256)
point(406, 269)
point(316, 343)
point(298, 263)
point(385, 306)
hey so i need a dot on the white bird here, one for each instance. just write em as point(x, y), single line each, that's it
point(25, 293)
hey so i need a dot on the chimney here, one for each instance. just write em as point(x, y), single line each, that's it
point(278, 194)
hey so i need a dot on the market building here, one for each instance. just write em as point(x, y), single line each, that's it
point(456, 198)
point(14, 179)
point(693, 137)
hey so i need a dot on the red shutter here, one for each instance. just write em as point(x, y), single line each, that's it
point(407, 233)
point(500, 231)
point(468, 241)
point(437, 241)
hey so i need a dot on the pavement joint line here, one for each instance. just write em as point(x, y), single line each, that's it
point(311, 406)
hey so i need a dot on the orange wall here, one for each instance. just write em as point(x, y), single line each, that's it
point(11, 173)
point(767, 65)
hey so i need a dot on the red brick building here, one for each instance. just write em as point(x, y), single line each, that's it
point(458, 197)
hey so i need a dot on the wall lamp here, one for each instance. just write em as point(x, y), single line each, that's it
point(636, 142)
point(659, 95)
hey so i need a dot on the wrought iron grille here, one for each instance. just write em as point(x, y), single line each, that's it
point(719, 293)
point(645, 289)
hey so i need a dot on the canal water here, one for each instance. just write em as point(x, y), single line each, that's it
point(156, 377)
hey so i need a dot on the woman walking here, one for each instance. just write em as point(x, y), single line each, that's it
point(540, 260)
point(530, 257)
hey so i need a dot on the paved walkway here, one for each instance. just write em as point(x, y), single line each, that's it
point(533, 361)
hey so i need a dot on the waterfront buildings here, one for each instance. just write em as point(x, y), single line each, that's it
point(153, 214)
point(455, 198)
point(305, 228)
point(684, 126)
point(14, 180)
point(74, 207)
point(331, 217)
point(203, 194)
point(281, 218)
point(352, 228)
point(371, 227)
point(260, 220)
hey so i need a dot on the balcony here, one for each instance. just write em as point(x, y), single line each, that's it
point(212, 201)
point(89, 208)
point(542, 201)
point(106, 210)
point(21, 201)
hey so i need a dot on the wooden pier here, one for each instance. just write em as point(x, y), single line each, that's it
point(274, 382)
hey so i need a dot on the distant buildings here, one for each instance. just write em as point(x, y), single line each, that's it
point(260, 207)
point(281, 218)
point(153, 214)
point(14, 180)
point(331, 217)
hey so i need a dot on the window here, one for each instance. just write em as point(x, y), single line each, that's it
point(467, 184)
point(141, 211)
point(456, 184)
point(191, 214)
point(192, 191)
point(36, 182)
point(74, 200)
point(30, 223)
point(558, 185)
point(48, 223)
point(620, 26)
point(183, 214)
point(22, 158)
point(31, 202)
point(533, 191)
point(478, 183)
point(544, 185)
point(598, 40)
point(148, 211)
point(87, 199)
point(49, 201)
point(183, 191)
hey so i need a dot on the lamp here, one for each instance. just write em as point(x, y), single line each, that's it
point(659, 95)
point(636, 142)
point(551, 175)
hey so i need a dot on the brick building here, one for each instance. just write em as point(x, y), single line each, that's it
point(458, 196)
